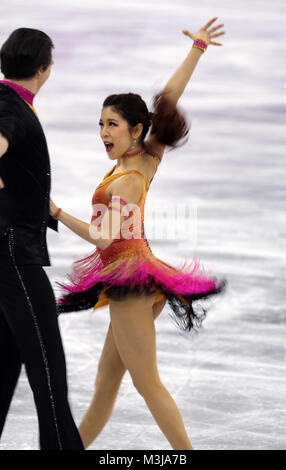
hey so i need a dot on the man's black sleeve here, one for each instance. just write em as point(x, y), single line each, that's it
point(8, 120)
point(53, 223)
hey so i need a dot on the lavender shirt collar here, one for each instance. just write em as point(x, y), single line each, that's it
point(25, 94)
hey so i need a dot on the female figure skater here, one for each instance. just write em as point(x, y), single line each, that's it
point(123, 272)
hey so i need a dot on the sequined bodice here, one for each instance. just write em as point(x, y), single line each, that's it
point(99, 196)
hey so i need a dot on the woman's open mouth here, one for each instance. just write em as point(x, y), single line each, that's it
point(108, 146)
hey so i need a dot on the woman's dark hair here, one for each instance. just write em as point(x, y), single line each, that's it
point(25, 51)
point(168, 124)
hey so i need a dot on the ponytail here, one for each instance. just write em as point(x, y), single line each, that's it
point(168, 124)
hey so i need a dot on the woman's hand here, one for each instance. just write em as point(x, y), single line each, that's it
point(205, 33)
point(53, 208)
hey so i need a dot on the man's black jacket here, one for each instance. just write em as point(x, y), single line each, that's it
point(25, 171)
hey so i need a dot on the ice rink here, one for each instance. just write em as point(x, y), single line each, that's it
point(230, 380)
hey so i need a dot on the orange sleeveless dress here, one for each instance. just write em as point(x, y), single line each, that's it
point(127, 249)
point(128, 265)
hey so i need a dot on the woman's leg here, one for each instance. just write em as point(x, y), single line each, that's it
point(109, 375)
point(134, 335)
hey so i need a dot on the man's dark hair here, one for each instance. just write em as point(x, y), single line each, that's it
point(25, 51)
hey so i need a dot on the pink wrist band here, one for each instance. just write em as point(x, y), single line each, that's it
point(200, 44)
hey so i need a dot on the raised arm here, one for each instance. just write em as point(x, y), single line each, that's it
point(179, 80)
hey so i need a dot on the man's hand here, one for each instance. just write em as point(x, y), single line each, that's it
point(4, 144)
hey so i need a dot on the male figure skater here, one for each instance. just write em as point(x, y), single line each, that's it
point(29, 331)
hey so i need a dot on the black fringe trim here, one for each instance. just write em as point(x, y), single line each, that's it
point(188, 316)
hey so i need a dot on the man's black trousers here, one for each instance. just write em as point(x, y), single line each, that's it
point(29, 334)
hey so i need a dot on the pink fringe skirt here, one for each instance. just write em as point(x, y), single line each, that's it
point(130, 267)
